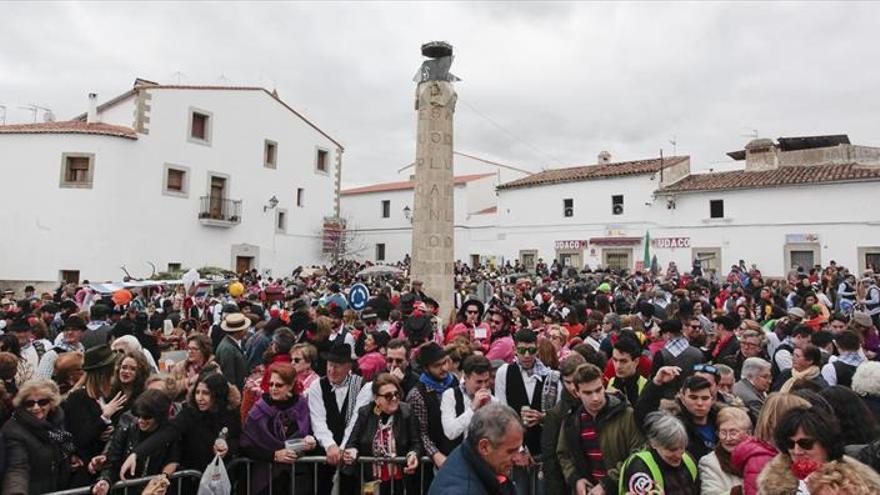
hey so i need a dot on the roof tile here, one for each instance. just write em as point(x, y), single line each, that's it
point(589, 172)
point(70, 127)
point(782, 176)
point(403, 185)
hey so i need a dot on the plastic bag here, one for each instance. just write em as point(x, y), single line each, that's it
point(215, 481)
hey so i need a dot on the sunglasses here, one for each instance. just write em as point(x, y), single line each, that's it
point(526, 350)
point(39, 402)
point(145, 417)
point(706, 368)
point(298, 360)
point(276, 384)
point(390, 396)
point(803, 443)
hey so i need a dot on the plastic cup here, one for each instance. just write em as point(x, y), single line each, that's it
point(295, 445)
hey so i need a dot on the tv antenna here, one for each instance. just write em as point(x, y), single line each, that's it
point(753, 134)
point(673, 142)
point(35, 108)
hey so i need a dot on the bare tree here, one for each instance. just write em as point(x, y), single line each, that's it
point(341, 240)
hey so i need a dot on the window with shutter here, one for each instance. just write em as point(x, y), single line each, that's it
point(199, 128)
point(175, 180)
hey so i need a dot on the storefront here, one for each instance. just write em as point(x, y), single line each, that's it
point(802, 250)
point(616, 252)
point(570, 253)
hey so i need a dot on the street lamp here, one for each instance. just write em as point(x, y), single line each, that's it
point(273, 202)
point(407, 213)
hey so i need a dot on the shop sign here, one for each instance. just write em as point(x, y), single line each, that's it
point(801, 238)
point(672, 242)
point(575, 245)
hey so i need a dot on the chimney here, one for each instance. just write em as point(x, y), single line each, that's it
point(92, 115)
point(604, 158)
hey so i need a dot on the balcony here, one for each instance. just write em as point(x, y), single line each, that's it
point(215, 211)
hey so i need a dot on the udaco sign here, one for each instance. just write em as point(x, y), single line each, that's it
point(672, 242)
point(575, 245)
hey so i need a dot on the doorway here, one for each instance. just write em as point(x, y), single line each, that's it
point(570, 259)
point(804, 255)
point(243, 264)
point(475, 260)
point(528, 258)
point(217, 193)
point(70, 276)
point(709, 258)
point(617, 259)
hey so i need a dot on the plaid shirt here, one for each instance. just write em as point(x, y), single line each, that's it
point(677, 345)
point(417, 403)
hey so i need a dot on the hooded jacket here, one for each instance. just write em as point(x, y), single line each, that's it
point(618, 437)
point(750, 457)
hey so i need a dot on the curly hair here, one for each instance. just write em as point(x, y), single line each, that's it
point(29, 387)
point(838, 477)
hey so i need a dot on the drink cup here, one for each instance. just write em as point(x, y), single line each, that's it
point(296, 445)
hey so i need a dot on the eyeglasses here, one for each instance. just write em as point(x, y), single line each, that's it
point(276, 384)
point(731, 433)
point(390, 396)
point(39, 402)
point(526, 350)
point(706, 368)
point(803, 443)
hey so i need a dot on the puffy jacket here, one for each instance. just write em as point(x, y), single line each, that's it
point(466, 473)
point(34, 463)
point(750, 457)
point(777, 478)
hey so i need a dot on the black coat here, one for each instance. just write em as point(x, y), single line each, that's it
point(196, 432)
point(405, 427)
point(554, 481)
point(125, 438)
point(35, 464)
point(83, 418)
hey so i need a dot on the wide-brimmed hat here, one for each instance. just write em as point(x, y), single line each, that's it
point(339, 353)
point(862, 318)
point(429, 354)
point(797, 313)
point(235, 322)
point(470, 302)
point(98, 357)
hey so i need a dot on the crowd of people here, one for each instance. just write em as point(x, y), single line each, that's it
point(543, 380)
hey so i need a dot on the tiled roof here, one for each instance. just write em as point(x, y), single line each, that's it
point(782, 176)
point(70, 127)
point(403, 185)
point(589, 172)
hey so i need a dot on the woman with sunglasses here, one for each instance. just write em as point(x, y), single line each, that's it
point(807, 439)
point(278, 416)
point(302, 356)
point(148, 414)
point(385, 428)
point(39, 451)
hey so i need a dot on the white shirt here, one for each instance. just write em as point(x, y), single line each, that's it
point(318, 414)
point(349, 339)
point(529, 381)
point(456, 426)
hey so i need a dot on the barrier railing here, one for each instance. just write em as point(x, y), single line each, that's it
point(123, 487)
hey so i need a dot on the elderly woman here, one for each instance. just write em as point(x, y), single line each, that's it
point(665, 467)
point(806, 365)
point(717, 474)
point(278, 416)
point(302, 356)
point(148, 414)
point(39, 451)
point(807, 439)
point(199, 352)
point(386, 428)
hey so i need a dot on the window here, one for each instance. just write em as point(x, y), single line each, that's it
point(386, 208)
point(69, 276)
point(617, 204)
point(716, 208)
point(568, 207)
point(175, 180)
point(300, 192)
point(77, 169)
point(270, 154)
point(173, 267)
point(280, 220)
point(200, 126)
point(380, 252)
point(321, 161)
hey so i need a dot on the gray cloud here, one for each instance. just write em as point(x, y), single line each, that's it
point(568, 79)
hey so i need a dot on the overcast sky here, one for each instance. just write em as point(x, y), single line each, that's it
point(543, 85)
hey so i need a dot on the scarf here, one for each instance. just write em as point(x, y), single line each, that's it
point(435, 385)
point(52, 432)
point(720, 345)
point(384, 445)
point(806, 375)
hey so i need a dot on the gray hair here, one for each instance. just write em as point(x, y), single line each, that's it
point(492, 422)
point(666, 431)
point(724, 370)
point(612, 319)
point(752, 366)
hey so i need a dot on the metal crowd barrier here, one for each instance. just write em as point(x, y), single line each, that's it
point(124, 486)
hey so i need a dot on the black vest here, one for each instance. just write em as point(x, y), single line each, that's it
point(335, 417)
point(517, 398)
point(435, 423)
point(844, 373)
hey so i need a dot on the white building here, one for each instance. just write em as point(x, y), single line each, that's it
point(176, 176)
point(378, 215)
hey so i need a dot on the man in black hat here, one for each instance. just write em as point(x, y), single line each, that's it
point(341, 334)
point(333, 401)
point(74, 327)
point(425, 398)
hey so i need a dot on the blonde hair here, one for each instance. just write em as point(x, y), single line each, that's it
point(839, 477)
point(735, 415)
point(776, 406)
point(47, 387)
point(308, 351)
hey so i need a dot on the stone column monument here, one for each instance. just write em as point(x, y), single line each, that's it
point(433, 215)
